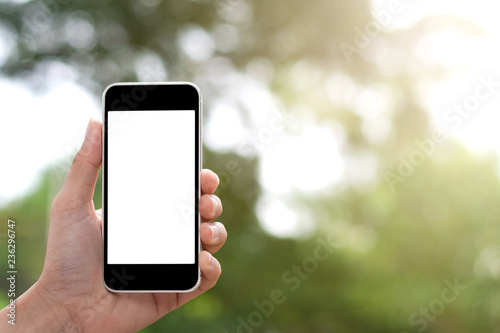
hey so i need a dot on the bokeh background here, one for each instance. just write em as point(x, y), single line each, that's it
point(369, 126)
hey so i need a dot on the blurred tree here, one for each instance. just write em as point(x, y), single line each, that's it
point(394, 248)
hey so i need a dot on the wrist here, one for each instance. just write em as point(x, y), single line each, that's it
point(37, 311)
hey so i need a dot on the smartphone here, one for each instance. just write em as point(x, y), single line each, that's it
point(151, 186)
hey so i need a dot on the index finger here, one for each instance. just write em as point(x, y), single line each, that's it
point(209, 181)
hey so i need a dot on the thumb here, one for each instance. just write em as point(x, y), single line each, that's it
point(82, 176)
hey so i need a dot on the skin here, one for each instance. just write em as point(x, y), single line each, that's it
point(70, 295)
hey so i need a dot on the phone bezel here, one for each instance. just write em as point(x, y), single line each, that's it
point(130, 96)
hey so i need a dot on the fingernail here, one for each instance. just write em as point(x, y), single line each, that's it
point(215, 232)
point(88, 132)
point(216, 205)
point(213, 261)
point(217, 176)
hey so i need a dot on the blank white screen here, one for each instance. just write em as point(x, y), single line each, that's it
point(151, 187)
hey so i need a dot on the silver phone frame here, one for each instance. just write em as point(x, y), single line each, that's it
point(200, 164)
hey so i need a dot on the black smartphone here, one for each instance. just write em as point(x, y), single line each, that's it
point(151, 186)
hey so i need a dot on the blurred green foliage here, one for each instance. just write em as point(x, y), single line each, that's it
point(394, 250)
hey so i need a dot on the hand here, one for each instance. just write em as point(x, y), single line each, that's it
point(70, 294)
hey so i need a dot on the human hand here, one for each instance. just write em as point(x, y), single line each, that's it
point(70, 295)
